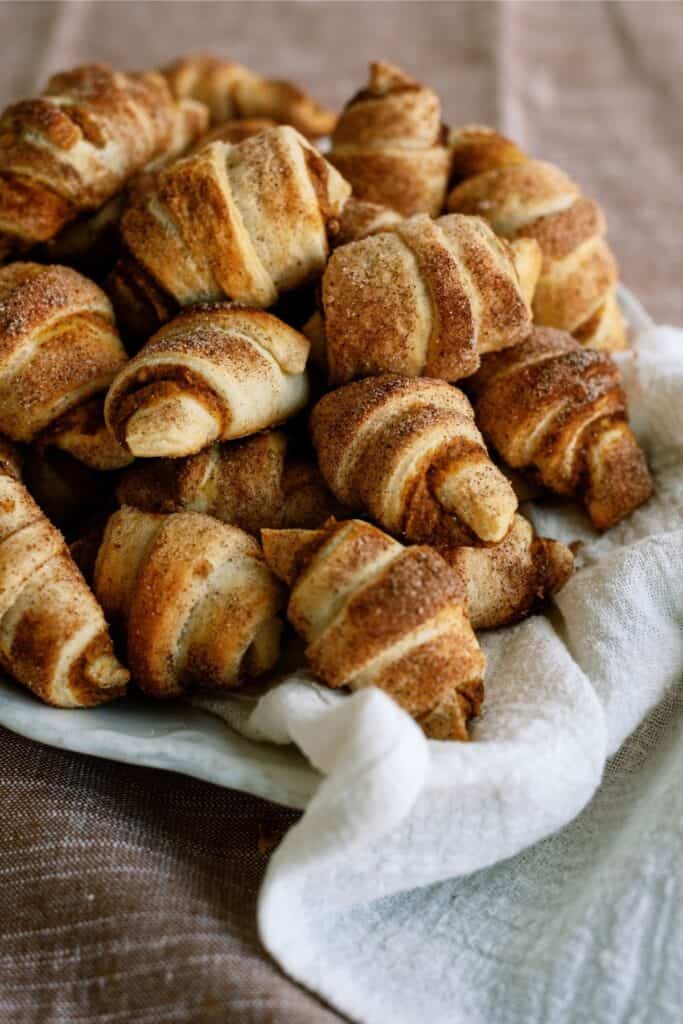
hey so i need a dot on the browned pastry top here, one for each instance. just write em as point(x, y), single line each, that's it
point(74, 146)
point(232, 91)
point(389, 142)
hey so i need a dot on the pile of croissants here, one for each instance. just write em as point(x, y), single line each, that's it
point(243, 383)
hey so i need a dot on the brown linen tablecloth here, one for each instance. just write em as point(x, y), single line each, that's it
point(128, 895)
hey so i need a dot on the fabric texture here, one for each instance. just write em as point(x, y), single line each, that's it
point(130, 894)
point(396, 812)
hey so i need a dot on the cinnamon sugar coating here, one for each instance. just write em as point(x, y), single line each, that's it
point(59, 352)
point(559, 407)
point(252, 484)
point(233, 92)
point(73, 147)
point(390, 144)
point(408, 452)
point(192, 597)
point(374, 613)
point(524, 198)
point(216, 372)
point(53, 637)
point(243, 221)
point(422, 298)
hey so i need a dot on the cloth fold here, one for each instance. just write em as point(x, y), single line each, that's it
point(395, 812)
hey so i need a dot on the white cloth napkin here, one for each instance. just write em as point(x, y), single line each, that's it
point(366, 902)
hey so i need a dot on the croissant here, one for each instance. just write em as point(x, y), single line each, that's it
point(59, 351)
point(374, 613)
point(232, 91)
point(53, 637)
point(90, 243)
point(425, 298)
point(251, 484)
point(558, 407)
point(407, 451)
point(244, 222)
point(214, 373)
point(524, 198)
point(193, 598)
point(389, 142)
point(75, 146)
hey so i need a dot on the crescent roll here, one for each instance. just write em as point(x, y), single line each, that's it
point(76, 145)
point(53, 637)
point(233, 92)
point(374, 613)
point(252, 484)
point(524, 198)
point(552, 405)
point(213, 374)
point(193, 598)
point(424, 298)
point(243, 221)
point(389, 142)
point(407, 452)
point(59, 352)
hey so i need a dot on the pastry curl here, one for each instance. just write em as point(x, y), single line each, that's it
point(76, 145)
point(233, 92)
point(524, 198)
point(59, 352)
point(53, 637)
point(90, 243)
point(374, 613)
point(213, 374)
point(193, 598)
point(390, 144)
point(252, 484)
point(407, 451)
point(243, 222)
point(425, 298)
point(558, 407)
point(508, 580)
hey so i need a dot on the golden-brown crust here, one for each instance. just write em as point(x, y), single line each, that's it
point(53, 637)
point(478, 148)
point(374, 613)
point(90, 243)
point(252, 484)
point(421, 298)
point(59, 351)
point(554, 405)
point(390, 144)
point(216, 372)
point(237, 131)
point(193, 596)
point(508, 580)
point(360, 219)
point(73, 147)
point(244, 222)
point(408, 452)
point(524, 198)
point(232, 92)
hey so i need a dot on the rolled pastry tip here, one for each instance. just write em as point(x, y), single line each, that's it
point(171, 424)
point(477, 493)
